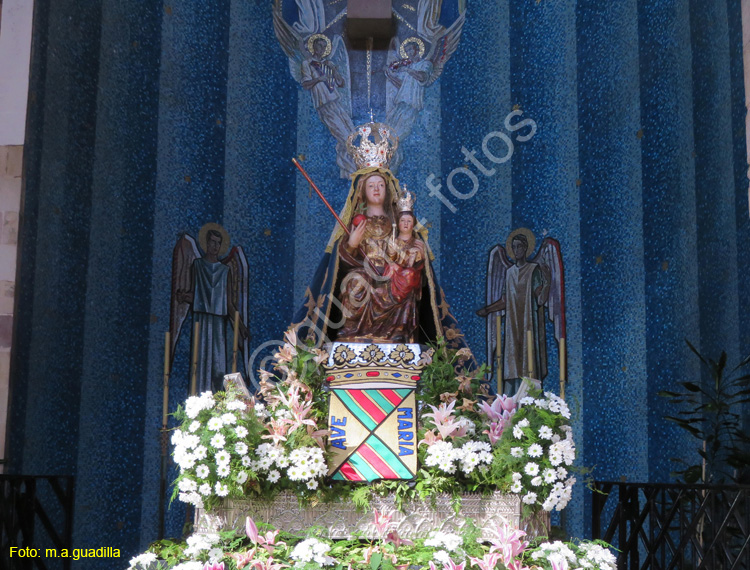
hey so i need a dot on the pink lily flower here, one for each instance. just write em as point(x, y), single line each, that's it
point(450, 565)
point(509, 543)
point(442, 417)
point(397, 541)
point(501, 406)
point(268, 564)
point(488, 562)
point(382, 521)
point(214, 566)
point(430, 437)
point(495, 432)
point(242, 559)
point(267, 541)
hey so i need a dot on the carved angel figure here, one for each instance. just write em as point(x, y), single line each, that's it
point(518, 293)
point(213, 289)
point(409, 70)
point(321, 66)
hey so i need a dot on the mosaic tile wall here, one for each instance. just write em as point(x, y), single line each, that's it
point(148, 119)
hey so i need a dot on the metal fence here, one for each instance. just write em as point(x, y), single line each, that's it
point(662, 526)
point(36, 515)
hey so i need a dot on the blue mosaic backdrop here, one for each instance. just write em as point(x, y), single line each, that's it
point(147, 119)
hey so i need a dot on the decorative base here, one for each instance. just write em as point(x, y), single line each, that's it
point(341, 520)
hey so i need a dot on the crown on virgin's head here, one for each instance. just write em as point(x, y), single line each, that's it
point(372, 145)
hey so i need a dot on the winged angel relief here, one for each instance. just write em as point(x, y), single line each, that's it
point(391, 82)
point(520, 289)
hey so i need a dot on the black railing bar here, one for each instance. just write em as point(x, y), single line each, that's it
point(47, 524)
point(718, 533)
point(739, 554)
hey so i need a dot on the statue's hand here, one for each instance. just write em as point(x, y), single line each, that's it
point(483, 312)
point(357, 235)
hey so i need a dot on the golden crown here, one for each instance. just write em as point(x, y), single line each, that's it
point(405, 202)
point(375, 145)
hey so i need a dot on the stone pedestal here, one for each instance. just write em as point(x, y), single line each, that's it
point(341, 520)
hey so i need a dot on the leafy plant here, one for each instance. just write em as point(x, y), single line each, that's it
point(711, 415)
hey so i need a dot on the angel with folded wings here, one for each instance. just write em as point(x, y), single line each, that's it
point(321, 66)
point(410, 70)
point(214, 289)
point(521, 288)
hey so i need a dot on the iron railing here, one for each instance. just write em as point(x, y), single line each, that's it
point(663, 526)
point(35, 513)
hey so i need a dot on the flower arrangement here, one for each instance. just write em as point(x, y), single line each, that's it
point(439, 551)
point(469, 440)
point(211, 448)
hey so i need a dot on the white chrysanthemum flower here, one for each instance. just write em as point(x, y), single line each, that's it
point(517, 432)
point(545, 432)
point(516, 477)
point(442, 557)
point(550, 475)
point(536, 481)
point(187, 461)
point(177, 436)
point(261, 411)
point(282, 462)
point(541, 403)
point(562, 473)
point(221, 489)
point(529, 498)
point(218, 441)
point(523, 423)
point(236, 405)
point(194, 426)
point(241, 447)
point(246, 461)
point(187, 485)
point(143, 560)
point(516, 487)
point(241, 477)
point(201, 452)
point(516, 451)
point(190, 440)
point(222, 470)
point(447, 540)
point(222, 457)
point(274, 476)
point(228, 419)
point(265, 463)
point(215, 424)
point(241, 431)
point(312, 550)
point(525, 401)
point(190, 565)
point(531, 469)
point(535, 450)
point(215, 554)
point(312, 484)
point(205, 489)
point(202, 471)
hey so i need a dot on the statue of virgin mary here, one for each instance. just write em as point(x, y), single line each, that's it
point(375, 282)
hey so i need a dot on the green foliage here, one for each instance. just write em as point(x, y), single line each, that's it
point(710, 412)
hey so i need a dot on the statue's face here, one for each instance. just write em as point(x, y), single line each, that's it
point(406, 224)
point(519, 250)
point(213, 245)
point(375, 191)
point(412, 51)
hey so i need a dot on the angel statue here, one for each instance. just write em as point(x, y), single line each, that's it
point(520, 292)
point(375, 282)
point(409, 71)
point(321, 66)
point(214, 289)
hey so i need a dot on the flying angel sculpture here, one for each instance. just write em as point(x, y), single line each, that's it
point(321, 66)
point(520, 290)
point(214, 289)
